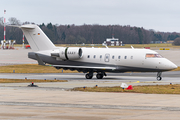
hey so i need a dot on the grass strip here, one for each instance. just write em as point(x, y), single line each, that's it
point(148, 89)
point(32, 68)
point(28, 80)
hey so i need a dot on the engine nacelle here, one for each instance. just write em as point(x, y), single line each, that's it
point(68, 53)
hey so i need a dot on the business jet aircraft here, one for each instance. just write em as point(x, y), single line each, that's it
point(93, 60)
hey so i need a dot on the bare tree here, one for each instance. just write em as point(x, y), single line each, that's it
point(13, 21)
point(176, 41)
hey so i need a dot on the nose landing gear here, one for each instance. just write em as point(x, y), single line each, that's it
point(159, 78)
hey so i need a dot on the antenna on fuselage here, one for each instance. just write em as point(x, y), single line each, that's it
point(105, 45)
point(132, 47)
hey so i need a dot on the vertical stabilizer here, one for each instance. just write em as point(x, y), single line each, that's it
point(37, 38)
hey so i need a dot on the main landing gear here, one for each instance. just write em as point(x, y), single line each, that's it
point(99, 75)
point(89, 75)
point(159, 78)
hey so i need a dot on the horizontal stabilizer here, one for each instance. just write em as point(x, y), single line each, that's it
point(23, 26)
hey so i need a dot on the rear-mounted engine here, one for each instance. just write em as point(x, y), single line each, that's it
point(68, 53)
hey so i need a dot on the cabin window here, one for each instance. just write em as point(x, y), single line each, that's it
point(125, 57)
point(94, 56)
point(131, 57)
point(100, 56)
point(113, 57)
point(153, 56)
point(119, 57)
point(88, 56)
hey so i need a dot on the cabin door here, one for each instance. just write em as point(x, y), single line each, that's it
point(106, 58)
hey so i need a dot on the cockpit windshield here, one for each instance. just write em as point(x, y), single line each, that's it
point(153, 55)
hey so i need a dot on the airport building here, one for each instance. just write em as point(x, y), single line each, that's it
point(112, 42)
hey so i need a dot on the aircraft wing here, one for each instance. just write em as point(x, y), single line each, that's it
point(84, 67)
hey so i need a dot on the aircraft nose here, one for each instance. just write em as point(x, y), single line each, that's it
point(169, 65)
point(173, 66)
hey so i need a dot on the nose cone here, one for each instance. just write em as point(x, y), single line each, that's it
point(167, 65)
point(173, 66)
point(170, 65)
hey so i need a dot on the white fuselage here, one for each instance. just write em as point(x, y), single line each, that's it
point(122, 59)
point(126, 57)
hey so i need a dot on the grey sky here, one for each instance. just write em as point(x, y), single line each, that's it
point(160, 15)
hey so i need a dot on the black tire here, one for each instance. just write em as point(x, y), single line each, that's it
point(159, 78)
point(99, 76)
point(88, 76)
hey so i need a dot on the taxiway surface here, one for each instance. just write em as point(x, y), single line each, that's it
point(79, 80)
point(45, 103)
point(55, 101)
point(15, 56)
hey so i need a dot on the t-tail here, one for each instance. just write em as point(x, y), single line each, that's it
point(37, 38)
